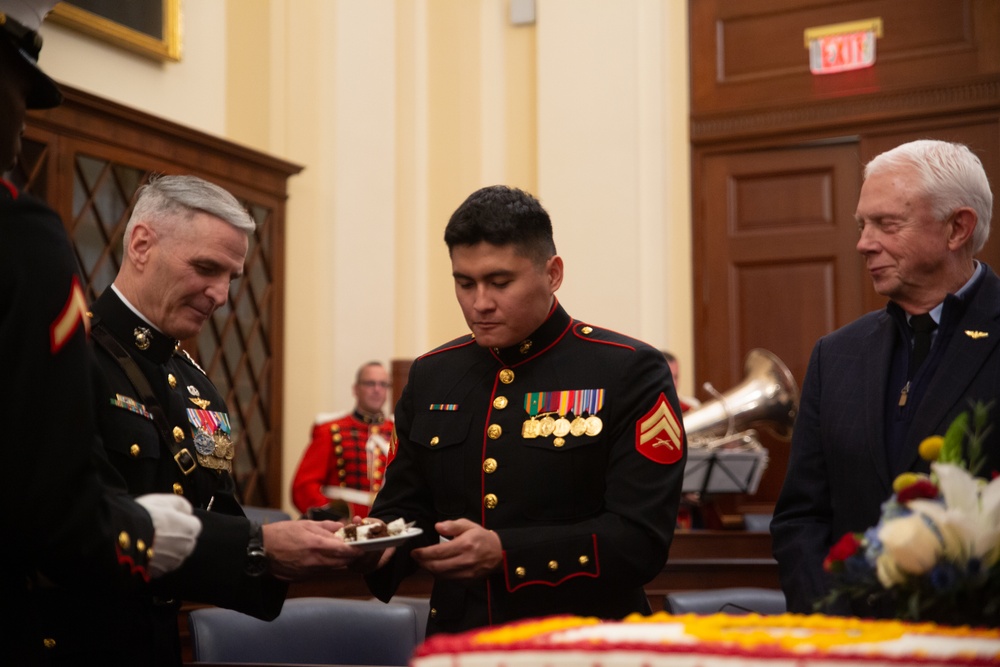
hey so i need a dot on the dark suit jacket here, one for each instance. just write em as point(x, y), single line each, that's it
point(839, 474)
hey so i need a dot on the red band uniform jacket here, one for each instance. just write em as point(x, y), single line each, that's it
point(585, 517)
point(338, 456)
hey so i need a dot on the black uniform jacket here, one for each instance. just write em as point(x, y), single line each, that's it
point(70, 543)
point(585, 517)
point(197, 420)
point(839, 473)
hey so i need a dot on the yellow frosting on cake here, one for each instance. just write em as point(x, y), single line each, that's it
point(789, 631)
point(510, 634)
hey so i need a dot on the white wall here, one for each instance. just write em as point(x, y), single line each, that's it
point(191, 92)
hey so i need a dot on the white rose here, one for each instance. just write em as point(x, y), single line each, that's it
point(955, 530)
point(910, 544)
point(888, 573)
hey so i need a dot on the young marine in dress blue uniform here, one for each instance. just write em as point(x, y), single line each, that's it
point(541, 456)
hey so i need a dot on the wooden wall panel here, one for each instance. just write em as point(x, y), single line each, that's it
point(777, 266)
point(799, 308)
point(751, 54)
point(778, 153)
point(792, 209)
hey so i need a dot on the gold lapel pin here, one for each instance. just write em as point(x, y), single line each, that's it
point(976, 335)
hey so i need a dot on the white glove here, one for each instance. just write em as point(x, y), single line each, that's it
point(176, 531)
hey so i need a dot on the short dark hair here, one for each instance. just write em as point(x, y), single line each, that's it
point(501, 216)
point(362, 367)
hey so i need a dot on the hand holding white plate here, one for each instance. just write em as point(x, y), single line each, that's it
point(374, 534)
point(379, 543)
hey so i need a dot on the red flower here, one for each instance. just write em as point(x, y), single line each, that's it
point(922, 488)
point(846, 547)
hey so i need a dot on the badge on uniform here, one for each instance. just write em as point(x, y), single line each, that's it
point(212, 439)
point(658, 434)
point(132, 405)
point(195, 397)
point(73, 314)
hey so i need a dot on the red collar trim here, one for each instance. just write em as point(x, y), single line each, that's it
point(10, 188)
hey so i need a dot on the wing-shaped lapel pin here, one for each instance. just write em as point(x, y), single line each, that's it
point(976, 335)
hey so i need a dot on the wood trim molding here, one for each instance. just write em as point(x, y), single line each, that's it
point(86, 116)
point(830, 116)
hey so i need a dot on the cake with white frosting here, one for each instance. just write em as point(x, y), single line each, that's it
point(370, 529)
point(718, 640)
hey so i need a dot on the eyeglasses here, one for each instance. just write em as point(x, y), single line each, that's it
point(369, 384)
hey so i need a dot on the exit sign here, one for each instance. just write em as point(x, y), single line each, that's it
point(843, 46)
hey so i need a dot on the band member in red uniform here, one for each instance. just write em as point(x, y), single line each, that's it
point(342, 469)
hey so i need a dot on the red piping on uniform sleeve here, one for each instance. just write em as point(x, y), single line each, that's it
point(125, 559)
point(595, 575)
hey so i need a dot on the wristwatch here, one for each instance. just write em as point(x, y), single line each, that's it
point(256, 555)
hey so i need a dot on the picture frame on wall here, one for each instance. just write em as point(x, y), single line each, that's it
point(151, 28)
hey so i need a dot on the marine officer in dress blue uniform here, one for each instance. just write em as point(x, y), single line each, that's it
point(167, 428)
point(541, 456)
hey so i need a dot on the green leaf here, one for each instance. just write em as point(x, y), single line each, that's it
point(951, 450)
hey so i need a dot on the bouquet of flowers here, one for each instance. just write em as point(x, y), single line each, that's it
point(935, 553)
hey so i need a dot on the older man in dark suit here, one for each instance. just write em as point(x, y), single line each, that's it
point(876, 387)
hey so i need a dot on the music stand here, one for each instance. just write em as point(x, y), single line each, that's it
point(728, 465)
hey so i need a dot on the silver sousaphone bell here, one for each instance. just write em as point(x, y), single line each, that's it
point(724, 452)
point(768, 396)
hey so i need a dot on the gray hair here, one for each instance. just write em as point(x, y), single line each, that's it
point(167, 200)
point(951, 177)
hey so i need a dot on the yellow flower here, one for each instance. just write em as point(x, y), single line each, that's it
point(930, 447)
point(906, 479)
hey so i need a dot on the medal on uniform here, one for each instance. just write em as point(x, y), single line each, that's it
point(203, 443)
point(591, 402)
point(547, 405)
point(551, 411)
point(212, 441)
point(224, 451)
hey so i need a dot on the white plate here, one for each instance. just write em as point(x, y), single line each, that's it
point(380, 543)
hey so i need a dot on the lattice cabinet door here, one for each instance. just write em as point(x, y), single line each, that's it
point(91, 182)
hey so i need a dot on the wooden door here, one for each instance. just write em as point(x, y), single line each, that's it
point(776, 265)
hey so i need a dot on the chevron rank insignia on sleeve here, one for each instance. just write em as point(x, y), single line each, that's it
point(658, 434)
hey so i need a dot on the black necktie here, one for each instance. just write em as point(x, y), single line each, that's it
point(923, 326)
